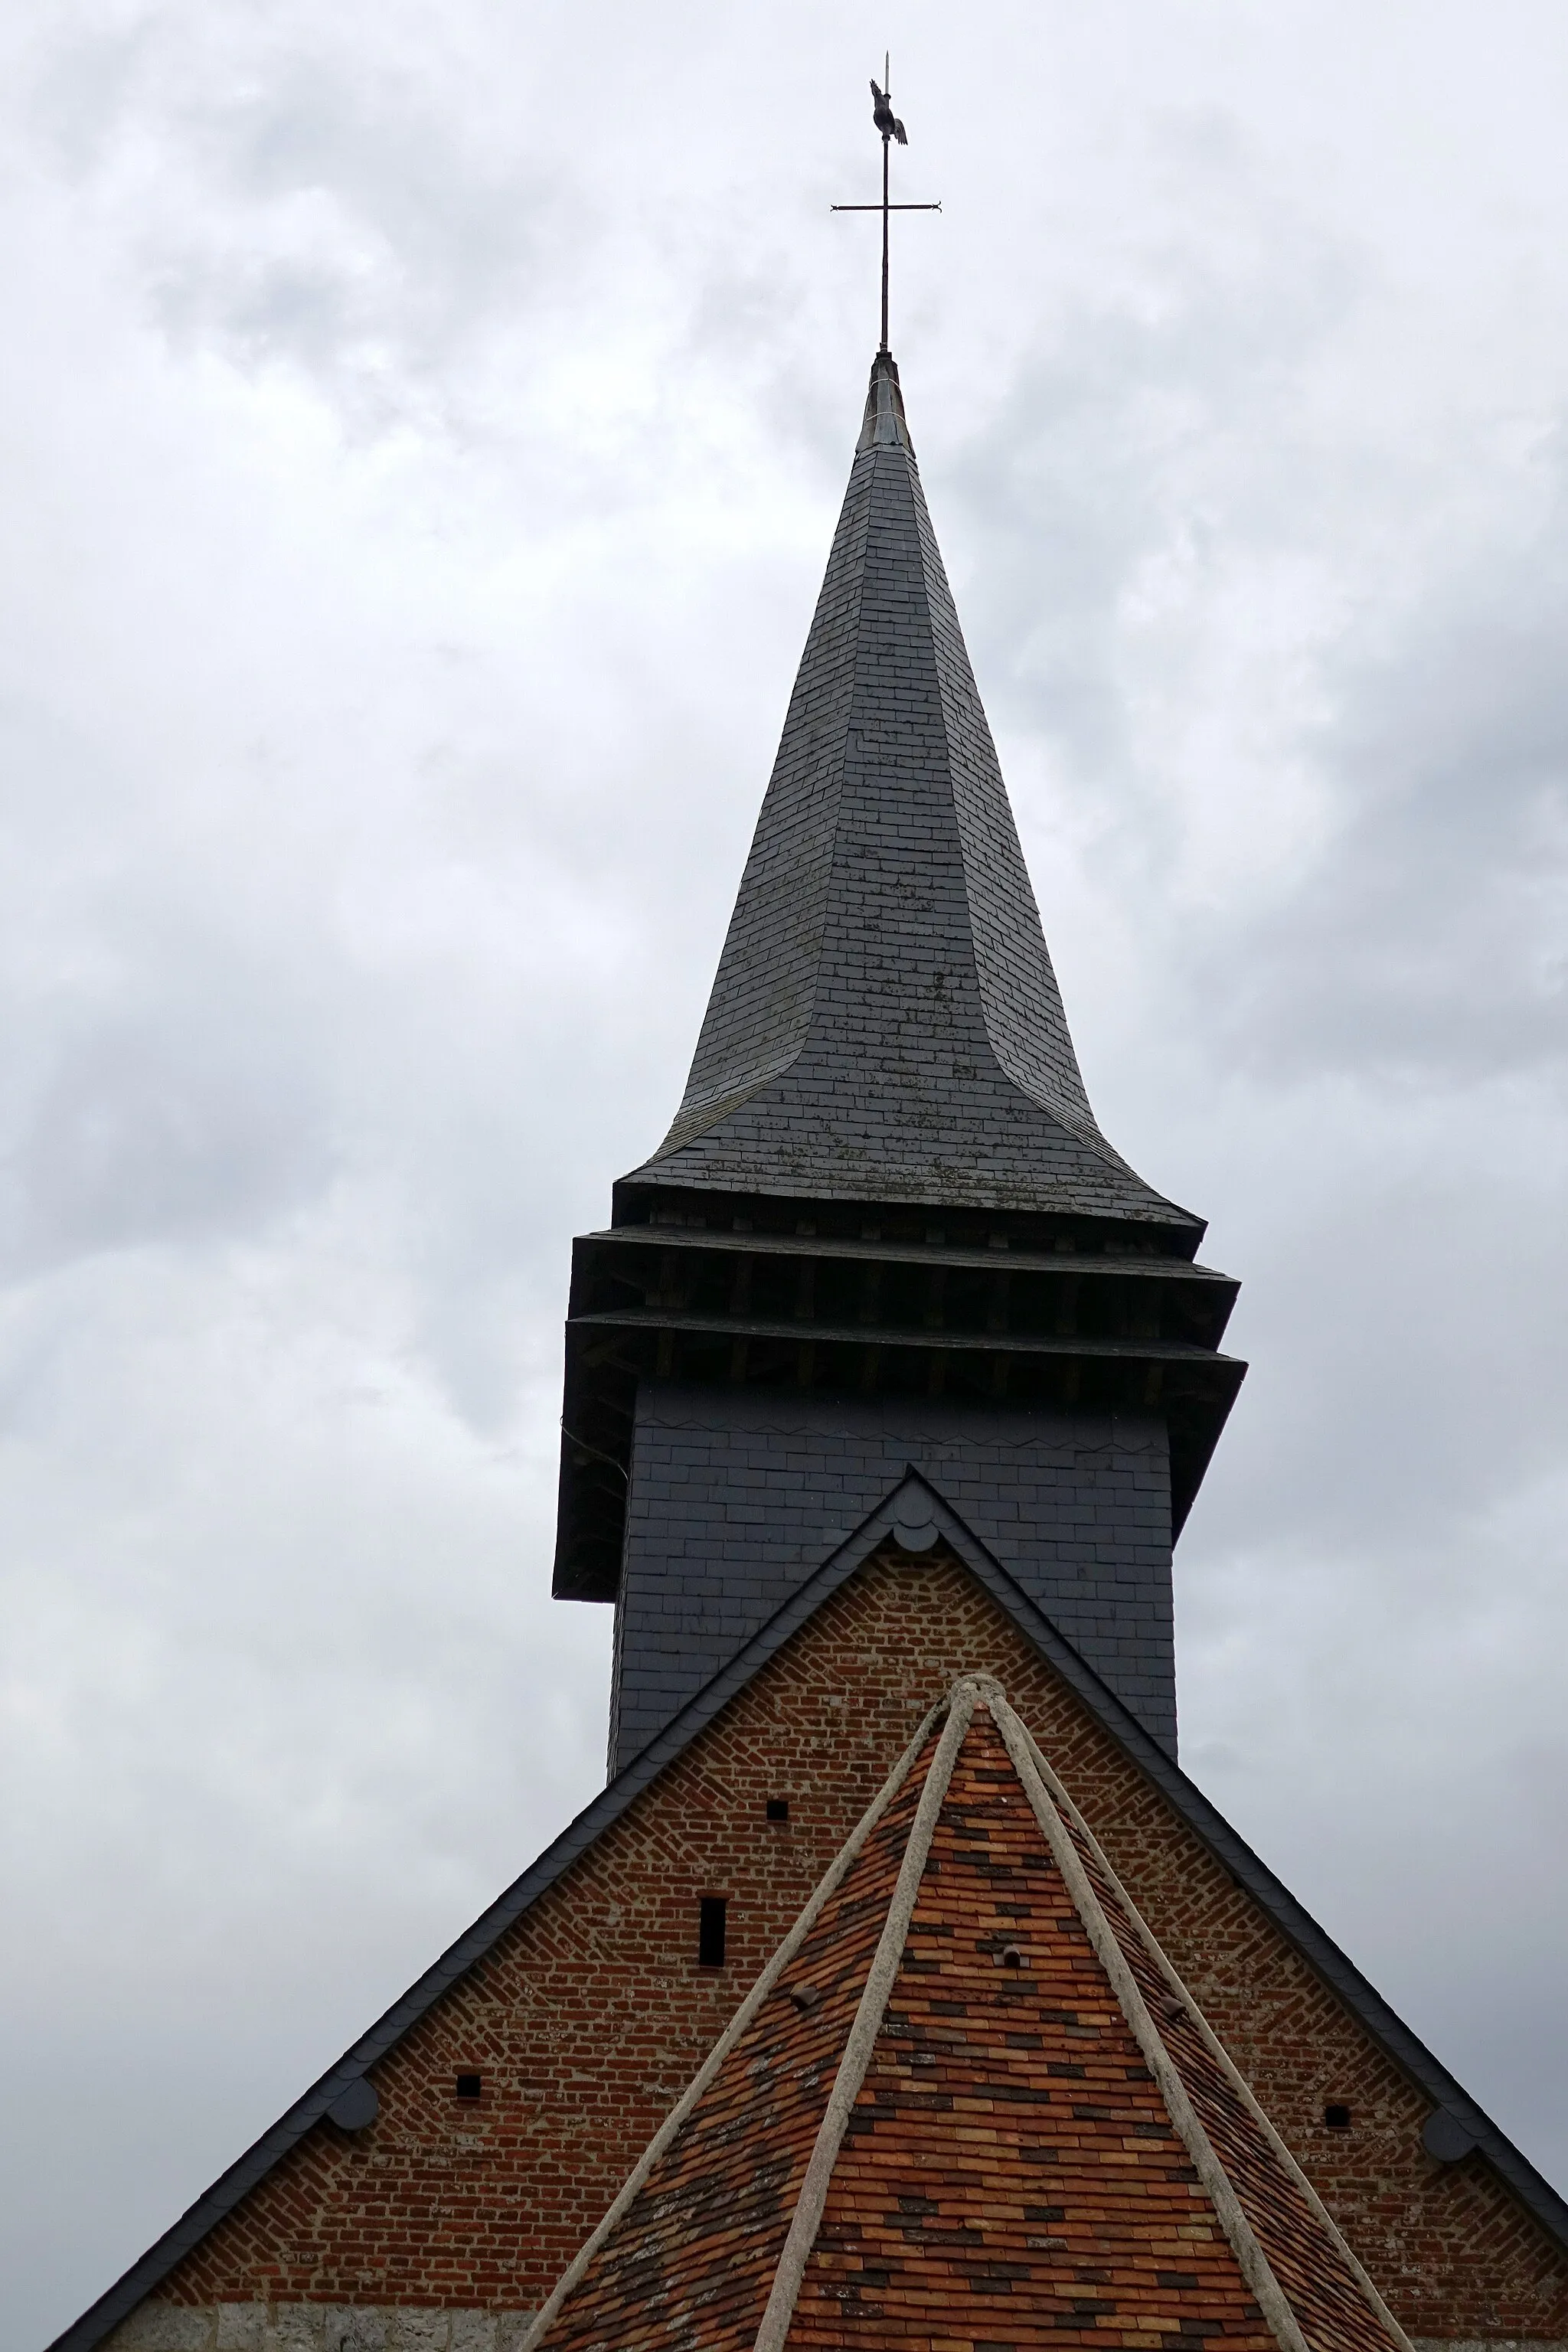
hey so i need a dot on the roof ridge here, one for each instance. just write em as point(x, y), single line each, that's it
point(826, 1888)
point(1012, 959)
point(806, 2219)
point(1061, 1798)
point(1255, 2267)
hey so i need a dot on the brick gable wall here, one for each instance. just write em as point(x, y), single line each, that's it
point(591, 2016)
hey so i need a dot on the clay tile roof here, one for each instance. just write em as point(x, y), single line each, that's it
point(969, 2106)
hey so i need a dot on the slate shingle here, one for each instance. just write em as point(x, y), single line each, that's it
point(885, 1024)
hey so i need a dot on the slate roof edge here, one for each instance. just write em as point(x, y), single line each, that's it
point(1294, 1922)
point(1024, 1259)
point(674, 1173)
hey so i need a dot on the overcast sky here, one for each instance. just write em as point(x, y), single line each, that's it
point(422, 428)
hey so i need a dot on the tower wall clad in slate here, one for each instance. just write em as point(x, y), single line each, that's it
point(737, 1498)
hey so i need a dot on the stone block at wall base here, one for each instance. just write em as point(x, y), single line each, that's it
point(156, 2326)
point(370, 2328)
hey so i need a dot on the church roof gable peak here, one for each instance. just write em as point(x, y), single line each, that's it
point(913, 1502)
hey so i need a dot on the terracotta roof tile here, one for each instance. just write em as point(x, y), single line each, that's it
point(969, 2105)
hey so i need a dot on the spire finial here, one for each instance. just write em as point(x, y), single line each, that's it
point(890, 128)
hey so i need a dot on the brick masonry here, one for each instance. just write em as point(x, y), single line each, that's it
point(738, 1497)
point(1008, 2149)
point(589, 2016)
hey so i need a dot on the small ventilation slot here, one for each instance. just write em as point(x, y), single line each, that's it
point(469, 2086)
point(710, 1920)
point(778, 1808)
point(1337, 2118)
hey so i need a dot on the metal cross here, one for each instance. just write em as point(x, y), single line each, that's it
point(887, 125)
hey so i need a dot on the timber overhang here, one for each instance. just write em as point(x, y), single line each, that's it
point(1033, 1313)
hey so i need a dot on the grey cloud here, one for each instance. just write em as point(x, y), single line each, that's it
point(1416, 935)
point(1138, 436)
point(1426, 943)
point(165, 1082)
point(318, 209)
point(167, 1126)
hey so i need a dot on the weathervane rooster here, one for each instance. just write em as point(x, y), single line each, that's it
point(886, 120)
point(888, 123)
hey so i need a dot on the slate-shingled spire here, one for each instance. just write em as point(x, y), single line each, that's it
point(885, 1024)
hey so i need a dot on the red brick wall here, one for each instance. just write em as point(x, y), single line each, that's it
point(589, 2019)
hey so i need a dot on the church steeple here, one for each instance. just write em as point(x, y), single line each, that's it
point(885, 1024)
point(884, 1230)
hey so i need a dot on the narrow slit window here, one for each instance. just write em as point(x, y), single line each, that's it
point(710, 1931)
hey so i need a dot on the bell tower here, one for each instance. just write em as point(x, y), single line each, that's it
point(884, 1230)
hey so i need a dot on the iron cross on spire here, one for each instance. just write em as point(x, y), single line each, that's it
point(888, 123)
